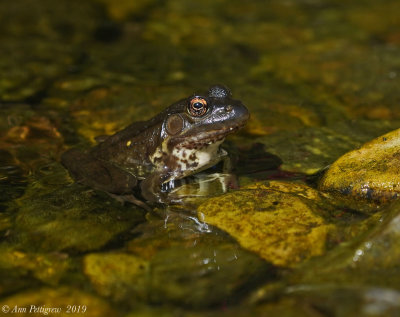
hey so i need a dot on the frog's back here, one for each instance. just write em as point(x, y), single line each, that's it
point(132, 146)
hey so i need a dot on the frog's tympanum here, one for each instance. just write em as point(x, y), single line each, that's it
point(182, 140)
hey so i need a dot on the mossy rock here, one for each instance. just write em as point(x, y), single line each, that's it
point(116, 275)
point(279, 221)
point(43, 42)
point(51, 218)
point(371, 172)
point(205, 276)
point(58, 298)
point(371, 258)
point(49, 268)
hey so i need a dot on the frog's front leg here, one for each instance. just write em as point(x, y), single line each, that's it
point(151, 188)
point(226, 162)
point(231, 182)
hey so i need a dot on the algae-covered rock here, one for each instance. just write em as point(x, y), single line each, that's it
point(371, 172)
point(65, 300)
point(277, 221)
point(333, 300)
point(116, 275)
point(380, 249)
point(54, 217)
point(48, 268)
point(371, 258)
point(14, 279)
point(310, 149)
point(43, 42)
point(158, 311)
point(173, 229)
point(307, 150)
point(203, 276)
point(124, 9)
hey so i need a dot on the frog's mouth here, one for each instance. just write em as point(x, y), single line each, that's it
point(204, 137)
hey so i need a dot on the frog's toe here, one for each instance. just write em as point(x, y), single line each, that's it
point(131, 199)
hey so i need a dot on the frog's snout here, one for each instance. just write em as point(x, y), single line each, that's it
point(242, 113)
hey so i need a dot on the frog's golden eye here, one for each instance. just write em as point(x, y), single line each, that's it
point(197, 106)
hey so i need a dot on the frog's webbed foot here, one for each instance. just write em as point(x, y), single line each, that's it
point(131, 199)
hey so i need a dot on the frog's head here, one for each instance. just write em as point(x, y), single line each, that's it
point(200, 123)
point(202, 120)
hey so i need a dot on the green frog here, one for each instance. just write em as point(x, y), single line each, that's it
point(182, 140)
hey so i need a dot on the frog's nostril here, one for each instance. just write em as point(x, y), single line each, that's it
point(228, 108)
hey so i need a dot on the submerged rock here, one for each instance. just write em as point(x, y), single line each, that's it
point(62, 218)
point(196, 276)
point(371, 172)
point(116, 275)
point(280, 221)
point(48, 268)
point(64, 301)
point(370, 259)
point(44, 43)
point(204, 276)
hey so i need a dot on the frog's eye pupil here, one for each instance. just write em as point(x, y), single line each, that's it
point(197, 106)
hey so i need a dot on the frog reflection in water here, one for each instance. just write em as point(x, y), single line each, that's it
point(182, 140)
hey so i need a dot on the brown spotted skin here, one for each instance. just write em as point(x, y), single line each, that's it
point(182, 140)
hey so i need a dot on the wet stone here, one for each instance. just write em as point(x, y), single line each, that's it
point(50, 36)
point(278, 221)
point(368, 259)
point(47, 268)
point(197, 275)
point(351, 80)
point(370, 172)
point(354, 300)
point(46, 62)
point(117, 275)
point(192, 265)
point(380, 249)
point(205, 276)
point(115, 105)
point(307, 150)
point(69, 218)
point(12, 182)
point(13, 280)
point(172, 229)
point(46, 298)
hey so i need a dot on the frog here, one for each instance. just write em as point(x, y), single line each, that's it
point(136, 163)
